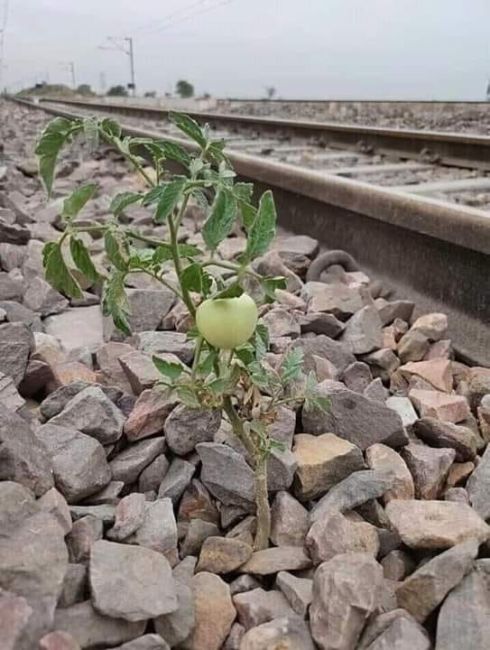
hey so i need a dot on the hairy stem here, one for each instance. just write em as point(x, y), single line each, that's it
point(260, 467)
point(197, 354)
point(174, 244)
point(129, 157)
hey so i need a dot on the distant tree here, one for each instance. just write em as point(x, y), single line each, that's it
point(270, 91)
point(150, 93)
point(206, 96)
point(117, 91)
point(184, 89)
point(84, 89)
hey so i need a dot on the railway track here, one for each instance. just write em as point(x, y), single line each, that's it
point(434, 252)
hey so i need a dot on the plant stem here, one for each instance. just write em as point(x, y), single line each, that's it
point(197, 354)
point(233, 267)
point(146, 240)
point(173, 226)
point(260, 467)
point(129, 157)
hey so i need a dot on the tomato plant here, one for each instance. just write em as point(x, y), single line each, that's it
point(227, 370)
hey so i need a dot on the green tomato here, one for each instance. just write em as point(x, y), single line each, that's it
point(227, 322)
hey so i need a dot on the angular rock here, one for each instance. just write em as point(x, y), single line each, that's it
point(23, 458)
point(397, 565)
point(289, 521)
point(158, 530)
point(355, 418)
point(244, 583)
point(176, 480)
point(74, 585)
point(140, 370)
point(145, 642)
point(167, 343)
point(80, 466)
point(9, 395)
point(108, 361)
point(413, 346)
point(402, 406)
point(130, 582)
point(273, 560)
point(108, 495)
point(66, 328)
point(14, 616)
point(185, 427)
point(93, 413)
point(105, 513)
point(338, 299)
point(326, 348)
point(55, 504)
point(16, 343)
point(323, 461)
point(464, 618)
point(214, 612)
point(384, 459)
point(429, 468)
point(357, 376)
point(197, 532)
point(345, 593)
point(42, 298)
point(58, 641)
point(222, 555)
point(286, 632)
point(435, 524)
point(91, 629)
point(320, 323)
point(227, 475)
point(478, 486)
point(335, 534)
point(148, 415)
point(434, 326)
point(404, 634)
point(298, 591)
point(129, 464)
point(427, 587)
point(436, 372)
point(258, 606)
point(84, 533)
point(432, 404)
point(176, 627)
point(197, 503)
point(281, 467)
point(130, 514)
point(153, 474)
point(446, 434)
point(363, 331)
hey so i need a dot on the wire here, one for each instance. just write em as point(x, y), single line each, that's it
point(170, 16)
point(188, 16)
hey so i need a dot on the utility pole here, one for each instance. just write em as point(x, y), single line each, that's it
point(129, 52)
point(72, 70)
point(129, 39)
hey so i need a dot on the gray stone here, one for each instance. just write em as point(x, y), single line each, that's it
point(23, 458)
point(413, 346)
point(16, 503)
point(10, 287)
point(434, 326)
point(140, 370)
point(478, 486)
point(435, 524)
point(275, 559)
point(55, 504)
point(58, 640)
point(74, 585)
point(427, 587)
point(243, 583)
point(446, 434)
point(153, 474)
point(91, 629)
point(353, 491)
point(166, 342)
point(326, 348)
point(289, 521)
point(108, 362)
point(108, 495)
point(84, 533)
point(13, 233)
point(197, 532)
point(9, 395)
point(235, 637)
point(464, 618)
point(281, 322)
point(176, 480)
point(80, 466)
point(258, 606)
point(145, 642)
point(397, 565)
point(429, 468)
point(223, 555)
point(384, 459)
point(363, 332)
point(376, 391)
point(320, 323)
point(287, 632)
point(56, 401)
point(17, 313)
point(158, 530)
point(281, 467)
point(402, 406)
point(91, 412)
point(176, 627)
point(389, 311)
point(338, 299)
point(334, 534)
point(354, 417)
point(105, 513)
point(323, 461)
point(298, 591)
point(148, 307)
point(16, 343)
point(149, 413)
point(185, 427)
point(346, 592)
point(214, 612)
point(130, 582)
point(402, 634)
point(66, 328)
point(357, 376)
point(129, 464)
point(227, 475)
point(42, 298)
point(14, 615)
point(130, 514)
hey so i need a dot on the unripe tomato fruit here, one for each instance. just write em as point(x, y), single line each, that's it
point(227, 322)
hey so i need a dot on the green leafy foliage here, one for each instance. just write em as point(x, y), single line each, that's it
point(292, 365)
point(312, 398)
point(57, 272)
point(114, 301)
point(77, 199)
point(220, 222)
point(195, 279)
point(190, 127)
point(263, 229)
point(169, 198)
point(168, 369)
point(270, 285)
point(82, 259)
point(91, 132)
point(122, 201)
point(116, 249)
point(111, 127)
point(49, 146)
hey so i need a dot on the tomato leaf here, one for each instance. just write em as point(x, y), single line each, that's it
point(57, 273)
point(111, 127)
point(270, 285)
point(193, 278)
point(234, 290)
point(219, 224)
point(116, 250)
point(167, 368)
point(91, 132)
point(123, 200)
point(263, 229)
point(82, 260)
point(188, 126)
point(169, 197)
point(291, 365)
point(49, 145)
point(115, 302)
point(77, 199)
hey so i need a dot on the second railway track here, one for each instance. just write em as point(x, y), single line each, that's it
point(344, 190)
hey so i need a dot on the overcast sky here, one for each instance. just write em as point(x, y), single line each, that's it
point(379, 49)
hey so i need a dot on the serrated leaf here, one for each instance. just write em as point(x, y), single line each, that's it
point(234, 290)
point(261, 339)
point(115, 248)
point(291, 366)
point(111, 127)
point(153, 195)
point(243, 191)
point(141, 258)
point(220, 222)
point(163, 253)
point(188, 126)
point(77, 199)
point(91, 132)
point(216, 154)
point(115, 302)
point(57, 273)
point(175, 152)
point(123, 200)
point(188, 397)
point(263, 229)
point(167, 368)
point(270, 285)
point(259, 375)
point(206, 365)
point(82, 260)
point(193, 278)
point(49, 145)
point(246, 354)
point(169, 198)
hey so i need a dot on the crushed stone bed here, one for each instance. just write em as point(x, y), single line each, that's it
point(127, 521)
